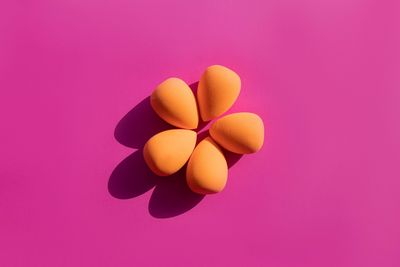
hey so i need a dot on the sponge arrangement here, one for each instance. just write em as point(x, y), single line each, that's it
point(167, 152)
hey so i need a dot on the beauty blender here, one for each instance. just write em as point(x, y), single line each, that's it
point(241, 133)
point(217, 91)
point(207, 169)
point(166, 152)
point(174, 101)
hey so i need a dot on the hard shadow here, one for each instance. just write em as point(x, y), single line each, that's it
point(172, 196)
point(202, 123)
point(201, 136)
point(138, 125)
point(131, 178)
point(194, 87)
point(231, 158)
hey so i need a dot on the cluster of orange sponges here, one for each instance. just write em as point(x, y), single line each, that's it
point(167, 152)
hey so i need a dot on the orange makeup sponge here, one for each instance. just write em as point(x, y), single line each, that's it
point(241, 133)
point(207, 169)
point(174, 101)
point(218, 89)
point(166, 152)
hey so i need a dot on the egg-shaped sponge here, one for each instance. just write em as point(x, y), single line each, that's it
point(207, 169)
point(241, 133)
point(218, 89)
point(174, 101)
point(168, 151)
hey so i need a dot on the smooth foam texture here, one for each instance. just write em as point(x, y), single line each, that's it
point(174, 101)
point(218, 89)
point(207, 170)
point(166, 152)
point(241, 133)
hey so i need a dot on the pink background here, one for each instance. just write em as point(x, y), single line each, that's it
point(323, 191)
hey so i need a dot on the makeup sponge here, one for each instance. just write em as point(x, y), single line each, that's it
point(207, 169)
point(166, 152)
point(217, 91)
point(241, 133)
point(174, 101)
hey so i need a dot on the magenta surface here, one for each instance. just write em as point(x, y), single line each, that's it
point(323, 191)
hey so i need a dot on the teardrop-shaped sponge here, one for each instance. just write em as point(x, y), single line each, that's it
point(207, 169)
point(174, 101)
point(241, 133)
point(166, 152)
point(218, 89)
